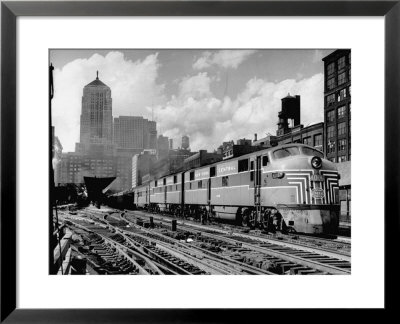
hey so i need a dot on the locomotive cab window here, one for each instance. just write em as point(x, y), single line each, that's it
point(243, 165)
point(212, 172)
point(264, 160)
point(286, 152)
point(311, 152)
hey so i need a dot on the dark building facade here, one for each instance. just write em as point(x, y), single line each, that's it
point(337, 105)
point(312, 135)
point(201, 158)
point(243, 146)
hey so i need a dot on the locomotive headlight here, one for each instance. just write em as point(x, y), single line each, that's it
point(316, 162)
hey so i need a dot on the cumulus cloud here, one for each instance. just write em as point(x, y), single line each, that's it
point(133, 89)
point(193, 110)
point(209, 121)
point(223, 58)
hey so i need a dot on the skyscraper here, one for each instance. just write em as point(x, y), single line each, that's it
point(96, 115)
point(132, 132)
point(185, 142)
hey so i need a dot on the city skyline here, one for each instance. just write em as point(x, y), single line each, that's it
point(211, 96)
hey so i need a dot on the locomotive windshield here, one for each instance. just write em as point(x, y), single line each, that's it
point(285, 152)
point(311, 152)
point(296, 150)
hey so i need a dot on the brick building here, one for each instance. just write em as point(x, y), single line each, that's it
point(337, 105)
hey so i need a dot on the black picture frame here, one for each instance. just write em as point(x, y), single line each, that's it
point(10, 10)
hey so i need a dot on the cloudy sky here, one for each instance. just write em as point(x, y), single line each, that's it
point(210, 95)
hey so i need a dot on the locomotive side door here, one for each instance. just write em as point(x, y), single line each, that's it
point(182, 191)
point(208, 191)
point(257, 188)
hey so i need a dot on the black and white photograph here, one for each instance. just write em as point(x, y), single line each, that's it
point(200, 161)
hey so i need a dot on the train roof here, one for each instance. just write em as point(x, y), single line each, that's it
point(240, 157)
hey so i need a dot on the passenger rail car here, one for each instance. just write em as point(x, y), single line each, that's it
point(289, 187)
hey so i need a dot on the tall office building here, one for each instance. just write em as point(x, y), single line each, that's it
point(162, 146)
point(337, 106)
point(152, 126)
point(185, 142)
point(131, 132)
point(96, 115)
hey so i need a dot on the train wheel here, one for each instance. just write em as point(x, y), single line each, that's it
point(252, 219)
point(245, 218)
point(265, 220)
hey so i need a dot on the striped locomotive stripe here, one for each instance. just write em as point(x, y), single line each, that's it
point(331, 183)
point(302, 179)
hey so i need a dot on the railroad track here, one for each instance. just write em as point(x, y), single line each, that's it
point(211, 251)
point(285, 256)
point(163, 257)
point(329, 247)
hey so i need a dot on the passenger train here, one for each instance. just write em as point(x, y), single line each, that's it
point(290, 187)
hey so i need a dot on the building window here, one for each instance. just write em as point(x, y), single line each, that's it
point(331, 132)
point(342, 78)
point(342, 94)
point(330, 116)
point(331, 83)
point(330, 99)
point(307, 140)
point(342, 62)
point(342, 145)
point(243, 165)
point(318, 140)
point(331, 147)
point(331, 68)
point(342, 158)
point(341, 112)
point(225, 181)
point(342, 128)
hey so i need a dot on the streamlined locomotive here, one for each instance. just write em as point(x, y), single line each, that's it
point(289, 187)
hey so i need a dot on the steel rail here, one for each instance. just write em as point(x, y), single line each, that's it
point(296, 245)
point(139, 267)
point(278, 254)
point(227, 261)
